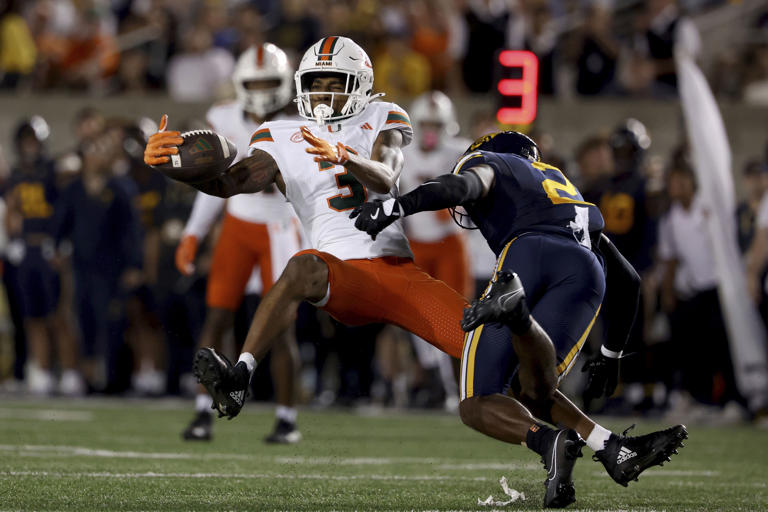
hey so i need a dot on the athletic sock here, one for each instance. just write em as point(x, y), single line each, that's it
point(249, 360)
point(538, 438)
point(598, 437)
point(287, 414)
point(203, 403)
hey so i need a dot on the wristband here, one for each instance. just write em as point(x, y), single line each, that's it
point(610, 353)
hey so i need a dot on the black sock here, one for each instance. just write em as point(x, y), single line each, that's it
point(519, 319)
point(538, 437)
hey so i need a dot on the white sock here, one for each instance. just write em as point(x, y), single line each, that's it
point(598, 437)
point(203, 402)
point(249, 360)
point(286, 413)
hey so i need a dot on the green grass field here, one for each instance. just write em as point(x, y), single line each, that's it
point(128, 455)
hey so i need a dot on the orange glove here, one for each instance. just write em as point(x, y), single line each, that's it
point(185, 254)
point(162, 144)
point(324, 151)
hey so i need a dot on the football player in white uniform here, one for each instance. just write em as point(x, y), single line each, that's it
point(438, 243)
point(258, 235)
point(356, 279)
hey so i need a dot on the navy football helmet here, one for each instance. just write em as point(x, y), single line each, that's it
point(507, 142)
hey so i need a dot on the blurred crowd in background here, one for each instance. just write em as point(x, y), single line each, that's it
point(113, 315)
point(585, 47)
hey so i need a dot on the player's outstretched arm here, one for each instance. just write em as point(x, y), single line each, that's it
point(249, 175)
point(622, 297)
point(379, 173)
point(444, 191)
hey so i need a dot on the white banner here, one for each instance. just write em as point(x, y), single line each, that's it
point(711, 156)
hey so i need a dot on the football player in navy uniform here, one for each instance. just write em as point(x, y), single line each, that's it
point(524, 334)
point(30, 197)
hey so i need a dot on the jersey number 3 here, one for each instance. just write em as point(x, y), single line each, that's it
point(357, 193)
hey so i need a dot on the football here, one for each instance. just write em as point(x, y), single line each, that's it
point(203, 155)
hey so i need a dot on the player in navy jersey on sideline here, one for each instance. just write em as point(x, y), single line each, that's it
point(526, 331)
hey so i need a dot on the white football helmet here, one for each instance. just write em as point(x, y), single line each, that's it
point(435, 107)
point(340, 55)
point(263, 62)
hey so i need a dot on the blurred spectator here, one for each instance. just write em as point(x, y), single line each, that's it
point(400, 72)
point(756, 79)
point(431, 34)
point(214, 16)
point(200, 71)
point(595, 165)
point(755, 185)
point(659, 31)
point(250, 29)
point(486, 23)
point(17, 47)
point(90, 53)
point(98, 216)
point(30, 197)
point(297, 29)
point(144, 328)
point(689, 294)
point(540, 36)
point(596, 51)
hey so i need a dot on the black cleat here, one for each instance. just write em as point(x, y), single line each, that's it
point(559, 460)
point(504, 301)
point(626, 457)
point(201, 428)
point(284, 433)
point(225, 383)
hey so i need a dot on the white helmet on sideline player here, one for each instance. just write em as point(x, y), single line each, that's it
point(334, 55)
point(263, 63)
point(435, 108)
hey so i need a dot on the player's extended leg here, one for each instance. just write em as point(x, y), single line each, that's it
point(488, 366)
point(305, 277)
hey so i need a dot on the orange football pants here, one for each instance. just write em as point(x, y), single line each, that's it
point(240, 246)
point(396, 291)
point(446, 260)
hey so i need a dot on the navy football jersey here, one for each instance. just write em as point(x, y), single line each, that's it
point(529, 196)
point(36, 192)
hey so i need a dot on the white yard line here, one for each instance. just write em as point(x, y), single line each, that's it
point(241, 476)
point(44, 415)
point(35, 450)
point(672, 472)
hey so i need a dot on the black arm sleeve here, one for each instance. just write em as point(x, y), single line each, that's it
point(622, 296)
point(444, 191)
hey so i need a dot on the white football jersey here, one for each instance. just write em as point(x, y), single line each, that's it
point(322, 194)
point(420, 165)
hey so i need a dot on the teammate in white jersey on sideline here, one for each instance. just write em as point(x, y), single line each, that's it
point(439, 245)
point(259, 234)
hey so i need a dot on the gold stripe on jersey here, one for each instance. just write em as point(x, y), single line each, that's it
point(468, 362)
point(564, 367)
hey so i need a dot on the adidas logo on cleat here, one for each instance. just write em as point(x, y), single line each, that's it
point(624, 455)
point(237, 396)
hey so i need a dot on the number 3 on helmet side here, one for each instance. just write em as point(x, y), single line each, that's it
point(357, 193)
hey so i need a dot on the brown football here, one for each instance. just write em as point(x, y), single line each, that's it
point(203, 155)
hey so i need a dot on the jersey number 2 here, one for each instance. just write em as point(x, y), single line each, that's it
point(357, 193)
point(553, 188)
